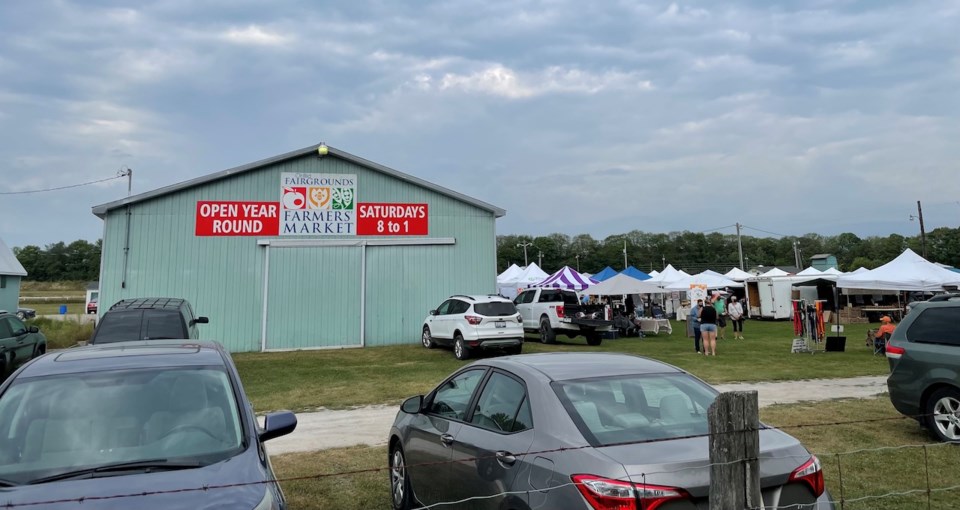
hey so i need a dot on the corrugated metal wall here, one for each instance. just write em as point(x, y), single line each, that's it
point(311, 289)
point(10, 293)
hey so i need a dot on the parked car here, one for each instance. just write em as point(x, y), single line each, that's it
point(92, 306)
point(26, 313)
point(548, 311)
point(148, 319)
point(136, 417)
point(470, 323)
point(19, 343)
point(924, 358)
point(575, 431)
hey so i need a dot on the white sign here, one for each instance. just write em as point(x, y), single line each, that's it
point(799, 345)
point(318, 204)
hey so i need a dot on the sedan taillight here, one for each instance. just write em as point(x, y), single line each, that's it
point(811, 474)
point(894, 352)
point(473, 319)
point(606, 494)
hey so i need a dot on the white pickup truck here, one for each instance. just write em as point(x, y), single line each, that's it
point(551, 311)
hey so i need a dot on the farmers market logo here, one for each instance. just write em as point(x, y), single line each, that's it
point(318, 204)
point(343, 198)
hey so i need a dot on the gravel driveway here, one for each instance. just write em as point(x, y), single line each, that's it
point(370, 425)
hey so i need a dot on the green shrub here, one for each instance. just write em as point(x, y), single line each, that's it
point(63, 334)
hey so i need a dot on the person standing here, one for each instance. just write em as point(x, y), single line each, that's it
point(708, 328)
point(693, 318)
point(735, 311)
point(629, 305)
point(720, 304)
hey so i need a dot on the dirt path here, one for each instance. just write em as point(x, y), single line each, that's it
point(370, 425)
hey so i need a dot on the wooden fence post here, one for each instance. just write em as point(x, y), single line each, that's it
point(734, 449)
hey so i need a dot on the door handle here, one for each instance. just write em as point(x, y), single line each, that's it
point(446, 439)
point(506, 458)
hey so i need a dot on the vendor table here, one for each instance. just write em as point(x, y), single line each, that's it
point(655, 326)
point(877, 310)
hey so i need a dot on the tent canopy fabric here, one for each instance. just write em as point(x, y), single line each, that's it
point(712, 279)
point(622, 284)
point(833, 271)
point(607, 272)
point(509, 273)
point(668, 275)
point(859, 270)
point(775, 272)
point(810, 271)
point(532, 274)
point(738, 274)
point(635, 273)
point(908, 271)
point(566, 278)
point(654, 273)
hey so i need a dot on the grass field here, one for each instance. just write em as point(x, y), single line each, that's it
point(62, 334)
point(864, 474)
point(305, 380)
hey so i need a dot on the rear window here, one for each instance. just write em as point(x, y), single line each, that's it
point(615, 410)
point(567, 297)
point(496, 309)
point(131, 325)
point(936, 326)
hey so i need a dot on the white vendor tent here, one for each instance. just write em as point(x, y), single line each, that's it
point(668, 276)
point(834, 271)
point(531, 274)
point(622, 284)
point(738, 274)
point(510, 273)
point(775, 272)
point(712, 280)
point(810, 271)
point(909, 271)
point(859, 270)
point(654, 273)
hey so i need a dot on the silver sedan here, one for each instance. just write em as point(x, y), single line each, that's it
point(575, 431)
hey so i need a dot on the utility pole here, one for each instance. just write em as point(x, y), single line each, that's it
point(540, 258)
point(663, 258)
point(128, 173)
point(624, 253)
point(577, 256)
point(796, 253)
point(923, 233)
point(524, 246)
point(740, 246)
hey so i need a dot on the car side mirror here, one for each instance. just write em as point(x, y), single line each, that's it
point(412, 405)
point(201, 320)
point(278, 424)
point(33, 329)
point(433, 312)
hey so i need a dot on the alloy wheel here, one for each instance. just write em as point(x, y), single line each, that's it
point(398, 479)
point(946, 415)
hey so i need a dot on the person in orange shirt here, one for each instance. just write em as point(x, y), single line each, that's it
point(886, 326)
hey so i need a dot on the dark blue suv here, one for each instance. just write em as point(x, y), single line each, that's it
point(148, 424)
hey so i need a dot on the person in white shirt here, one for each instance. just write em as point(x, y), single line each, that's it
point(735, 311)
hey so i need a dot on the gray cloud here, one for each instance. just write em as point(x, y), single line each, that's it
point(576, 117)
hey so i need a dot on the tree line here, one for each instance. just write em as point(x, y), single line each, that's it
point(695, 252)
point(79, 260)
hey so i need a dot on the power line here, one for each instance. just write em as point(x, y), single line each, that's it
point(60, 187)
point(765, 231)
point(718, 228)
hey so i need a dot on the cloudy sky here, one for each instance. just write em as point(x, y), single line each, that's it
point(578, 117)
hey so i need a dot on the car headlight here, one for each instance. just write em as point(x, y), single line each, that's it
point(268, 502)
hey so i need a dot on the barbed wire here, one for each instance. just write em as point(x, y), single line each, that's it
point(321, 476)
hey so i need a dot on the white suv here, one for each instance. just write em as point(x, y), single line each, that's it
point(474, 322)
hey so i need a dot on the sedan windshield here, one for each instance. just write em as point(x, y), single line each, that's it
point(625, 409)
point(54, 426)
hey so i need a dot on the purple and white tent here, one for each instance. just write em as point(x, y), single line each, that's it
point(566, 278)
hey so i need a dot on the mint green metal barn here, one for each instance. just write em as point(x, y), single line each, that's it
point(316, 248)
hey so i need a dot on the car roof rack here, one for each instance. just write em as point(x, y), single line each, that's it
point(148, 303)
point(463, 296)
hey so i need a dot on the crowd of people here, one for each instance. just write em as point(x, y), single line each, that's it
point(709, 322)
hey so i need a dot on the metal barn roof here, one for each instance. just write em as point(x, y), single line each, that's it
point(9, 265)
point(101, 210)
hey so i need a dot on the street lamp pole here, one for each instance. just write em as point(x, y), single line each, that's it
point(577, 256)
point(524, 246)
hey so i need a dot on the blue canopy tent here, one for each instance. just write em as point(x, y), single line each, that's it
point(635, 273)
point(608, 272)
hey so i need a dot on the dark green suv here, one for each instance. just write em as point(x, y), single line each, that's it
point(924, 356)
point(148, 319)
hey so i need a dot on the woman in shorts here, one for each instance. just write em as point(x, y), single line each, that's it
point(708, 329)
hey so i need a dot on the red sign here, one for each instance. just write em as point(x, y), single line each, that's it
point(216, 218)
point(392, 219)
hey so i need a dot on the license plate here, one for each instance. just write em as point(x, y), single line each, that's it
point(501, 324)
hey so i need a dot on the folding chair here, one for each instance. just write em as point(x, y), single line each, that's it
point(880, 344)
